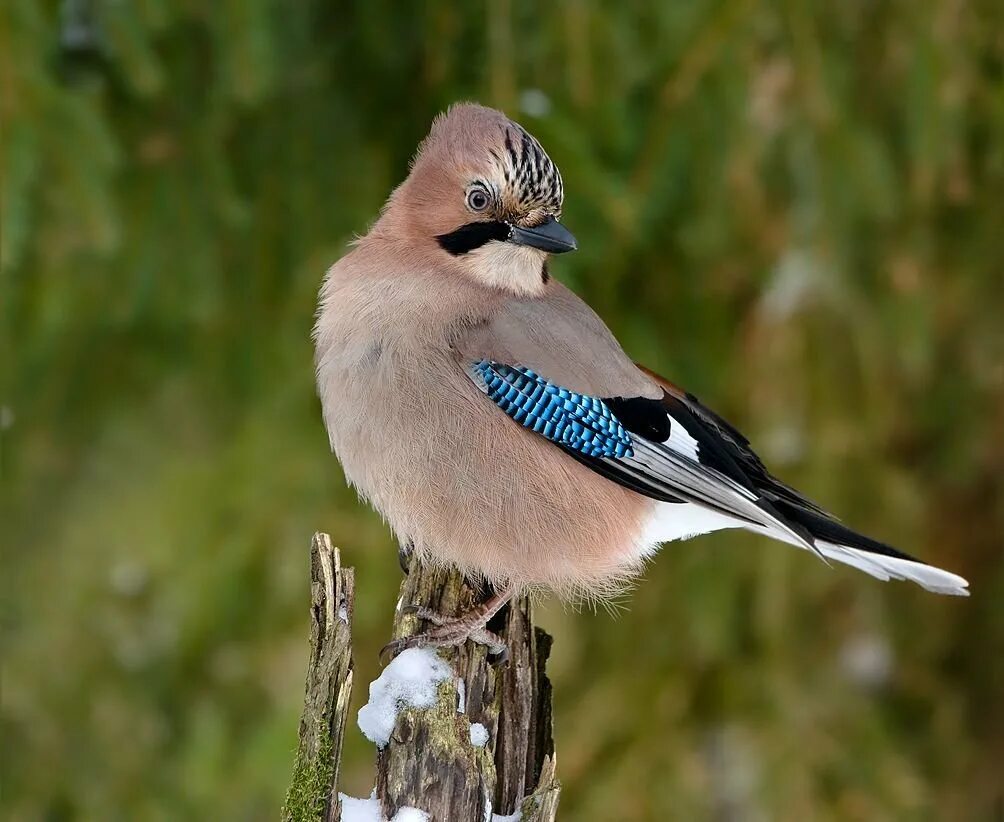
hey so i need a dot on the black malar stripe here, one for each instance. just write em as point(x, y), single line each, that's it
point(473, 235)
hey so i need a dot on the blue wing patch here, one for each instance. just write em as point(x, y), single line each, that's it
point(577, 421)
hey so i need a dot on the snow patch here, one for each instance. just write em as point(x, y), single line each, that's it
point(360, 810)
point(368, 810)
point(479, 735)
point(461, 696)
point(410, 815)
point(409, 681)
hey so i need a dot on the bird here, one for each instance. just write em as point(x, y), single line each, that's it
point(494, 421)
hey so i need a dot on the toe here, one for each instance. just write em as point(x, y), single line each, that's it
point(424, 613)
point(395, 646)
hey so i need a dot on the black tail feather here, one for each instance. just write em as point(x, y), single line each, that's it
point(830, 530)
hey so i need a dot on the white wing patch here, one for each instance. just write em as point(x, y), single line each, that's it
point(681, 441)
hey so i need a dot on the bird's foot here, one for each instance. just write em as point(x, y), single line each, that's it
point(450, 632)
point(448, 635)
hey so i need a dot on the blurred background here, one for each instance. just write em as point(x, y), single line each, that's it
point(795, 209)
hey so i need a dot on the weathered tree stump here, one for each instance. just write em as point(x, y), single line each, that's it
point(432, 761)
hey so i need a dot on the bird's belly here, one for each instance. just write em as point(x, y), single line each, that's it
point(470, 487)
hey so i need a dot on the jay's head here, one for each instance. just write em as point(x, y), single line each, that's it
point(485, 193)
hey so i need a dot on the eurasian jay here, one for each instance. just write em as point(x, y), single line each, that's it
point(493, 420)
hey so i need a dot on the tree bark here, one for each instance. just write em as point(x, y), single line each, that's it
point(431, 762)
point(313, 795)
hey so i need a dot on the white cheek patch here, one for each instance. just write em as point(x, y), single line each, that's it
point(510, 267)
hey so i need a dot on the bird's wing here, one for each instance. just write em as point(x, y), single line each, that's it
point(552, 366)
point(636, 442)
point(731, 446)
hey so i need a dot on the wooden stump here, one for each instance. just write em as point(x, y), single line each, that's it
point(431, 762)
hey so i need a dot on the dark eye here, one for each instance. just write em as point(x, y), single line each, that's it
point(477, 199)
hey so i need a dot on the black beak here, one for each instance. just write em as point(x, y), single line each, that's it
point(550, 236)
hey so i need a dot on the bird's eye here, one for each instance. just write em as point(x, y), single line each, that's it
point(478, 199)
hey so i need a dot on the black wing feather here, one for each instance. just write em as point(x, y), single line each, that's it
point(730, 441)
point(720, 448)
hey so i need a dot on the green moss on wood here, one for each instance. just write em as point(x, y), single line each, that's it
point(307, 798)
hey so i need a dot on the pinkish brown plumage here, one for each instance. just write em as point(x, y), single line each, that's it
point(424, 445)
point(492, 418)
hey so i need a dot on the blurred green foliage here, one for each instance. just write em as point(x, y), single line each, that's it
point(795, 208)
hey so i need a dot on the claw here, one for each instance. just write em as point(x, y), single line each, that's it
point(500, 658)
point(395, 646)
point(404, 558)
point(449, 632)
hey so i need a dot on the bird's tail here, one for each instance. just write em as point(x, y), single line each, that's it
point(838, 542)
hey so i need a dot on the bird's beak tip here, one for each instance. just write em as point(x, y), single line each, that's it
point(550, 236)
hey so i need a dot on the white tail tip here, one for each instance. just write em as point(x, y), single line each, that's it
point(885, 567)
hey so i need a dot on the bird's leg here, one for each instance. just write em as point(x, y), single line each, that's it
point(449, 632)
